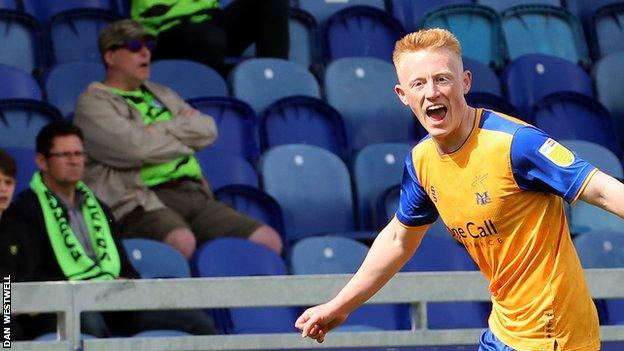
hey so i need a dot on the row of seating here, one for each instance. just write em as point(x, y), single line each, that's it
point(71, 31)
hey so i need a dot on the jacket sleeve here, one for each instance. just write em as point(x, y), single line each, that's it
point(115, 140)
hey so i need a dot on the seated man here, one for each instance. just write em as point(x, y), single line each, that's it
point(140, 138)
point(59, 230)
point(8, 172)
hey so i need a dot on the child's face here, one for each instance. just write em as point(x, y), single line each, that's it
point(7, 187)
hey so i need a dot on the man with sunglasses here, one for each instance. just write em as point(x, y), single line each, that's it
point(141, 138)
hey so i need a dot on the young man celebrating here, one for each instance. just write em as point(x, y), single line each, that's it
point(499, 185)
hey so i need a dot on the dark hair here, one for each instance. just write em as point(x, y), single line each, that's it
point(46, 135)
point(7, 164)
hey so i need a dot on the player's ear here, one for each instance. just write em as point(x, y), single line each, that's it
point(466, 81)
point(398, 89)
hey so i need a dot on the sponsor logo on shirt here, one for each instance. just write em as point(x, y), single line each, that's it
point(556, 153)
point(481, 194)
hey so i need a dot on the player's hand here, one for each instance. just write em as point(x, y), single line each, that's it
point(317, 321)
point(187, 111)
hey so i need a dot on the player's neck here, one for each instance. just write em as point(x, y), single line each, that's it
point(455, 141)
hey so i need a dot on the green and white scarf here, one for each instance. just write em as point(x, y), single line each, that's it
point(70, 255)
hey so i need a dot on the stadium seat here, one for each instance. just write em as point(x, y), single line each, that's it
point(484, 79)
point(312, 186)
point(477, 28)
point(360, 31)
point(321, 10)
point(524, 27)
point(532, 77)
point(188, 78)
point(17, 84)
point(410, 12)
point(335, 255)
point(362, 90)
point(46, 9)
point(73, 34)
point(585, 10)
point(10, 4)
point(155, 259)
point(222, 168)
point(376, 167)
point(570, 115)
point(65, 82)
point(609, 30)
point(253, 202)
point(599, 156)
point(609, 77)
point(21, 40)
point(229, 257)
point(493, 102)
point(437, 253)
point(26, 167)
point(304, 46)
point(22, 119)
point(303, 120)
point(55, 336)
point(502, 5)
point(277, 78)
point(236, 123)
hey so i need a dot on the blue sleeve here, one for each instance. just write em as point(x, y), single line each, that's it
point(415, 206)
point(539, 163)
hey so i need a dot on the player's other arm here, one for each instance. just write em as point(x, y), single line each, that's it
point(394, 245)
point(606, 192)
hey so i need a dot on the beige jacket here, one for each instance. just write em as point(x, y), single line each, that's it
point(118, 143)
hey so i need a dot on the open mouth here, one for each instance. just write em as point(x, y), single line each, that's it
point(436, 112)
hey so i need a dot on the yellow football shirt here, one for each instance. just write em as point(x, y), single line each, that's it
point(501, 195)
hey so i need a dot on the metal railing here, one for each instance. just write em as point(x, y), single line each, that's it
point(69, 299)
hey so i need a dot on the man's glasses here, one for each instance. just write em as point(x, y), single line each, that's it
point(67, 154)
point(135, 45)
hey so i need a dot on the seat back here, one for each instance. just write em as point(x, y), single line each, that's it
point(502, 5)
point(46, 9)
point(322, 10)
point(362, 90)
point(599, 156)
point(21, 40)
point(524, 27)
point(410, 12)
point(17, 84)
point(65, 82)
point(312, 186)
point(223, 168)
point(303, 120)
point(154, 259)
point(304, 47)
point(477, 28)
point(609, 30)
point(532, 77)
point(484, 79)
point(376, 168)
point(360, 31)
point(609, 77)
point(495, 103)
point(189, 79)
point(234, 257)
point(22, 119)
point(278, 78)
point(236, 123)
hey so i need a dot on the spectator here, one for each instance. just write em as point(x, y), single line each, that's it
point(201, 31)
point(140, 138)
point(36, 244)
point(8, 173)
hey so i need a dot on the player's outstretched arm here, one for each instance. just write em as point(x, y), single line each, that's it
point(394, 245)
point(605, 192)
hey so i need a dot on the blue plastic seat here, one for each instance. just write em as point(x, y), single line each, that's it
point(532, 77)
point(609, 77)
point(46, 9)
point(335, 255)
point(585, 10)
point(54, 337)
point(222, 168)
point(362, 90)
point(304, 47)
point(26, 167)
point(188, 78)
point(154, 259)
point(21, 40)
point(253, 202)
point(17, 84)
point(444, 254)
point(10, 4)
point(313, 187)
point(65, 82)
point(234, 257)
point(262, 81)
point(21, 120)
point(376, 168)
point(410, 12)
point(609, 30)
point(236, 123)
point(484, 79)
point(477, 28)
point(569, 115)
point(303, 120)
point(360, 31)
point(321, 10)
point(599, 156)
point(502, 5)
point(493, 102)
point(524, 27)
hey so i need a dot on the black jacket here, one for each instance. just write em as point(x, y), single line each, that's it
point(25, 249)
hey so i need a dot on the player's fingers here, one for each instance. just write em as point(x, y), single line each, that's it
point(320, 336)
point(309, 324)
point(300, 322)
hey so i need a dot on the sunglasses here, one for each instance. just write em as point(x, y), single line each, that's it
point(135, 45)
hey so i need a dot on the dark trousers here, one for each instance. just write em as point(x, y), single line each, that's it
point(228, 33)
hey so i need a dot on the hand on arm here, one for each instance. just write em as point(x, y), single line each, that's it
point(391, 249)
point(605, 192)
